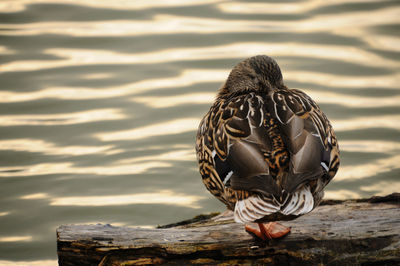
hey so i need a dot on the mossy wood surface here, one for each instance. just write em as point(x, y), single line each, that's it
point(363, 232)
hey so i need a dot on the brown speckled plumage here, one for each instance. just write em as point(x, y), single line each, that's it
point(265, 150)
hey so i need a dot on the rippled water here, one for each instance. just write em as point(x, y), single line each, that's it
point(100, 101)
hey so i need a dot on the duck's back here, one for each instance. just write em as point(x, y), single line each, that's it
point(267, 154)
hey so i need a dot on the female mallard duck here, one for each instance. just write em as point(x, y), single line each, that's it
point(265, 150)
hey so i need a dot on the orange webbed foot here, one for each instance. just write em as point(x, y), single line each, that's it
point(269, 231)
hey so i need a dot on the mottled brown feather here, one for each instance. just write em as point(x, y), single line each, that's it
point(261, 138)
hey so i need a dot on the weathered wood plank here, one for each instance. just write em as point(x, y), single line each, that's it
point(348, 233)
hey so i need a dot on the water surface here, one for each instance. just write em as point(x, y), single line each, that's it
point(100, 101)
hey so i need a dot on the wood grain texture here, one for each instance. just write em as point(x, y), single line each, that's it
point(337, 233)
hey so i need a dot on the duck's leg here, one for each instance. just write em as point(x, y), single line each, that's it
point(269, 231)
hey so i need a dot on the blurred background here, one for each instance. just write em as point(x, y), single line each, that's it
point(100, 102)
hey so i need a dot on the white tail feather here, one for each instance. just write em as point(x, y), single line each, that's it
point(302, 202)
point(256, 207)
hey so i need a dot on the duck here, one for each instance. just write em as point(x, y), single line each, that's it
point(264, 150)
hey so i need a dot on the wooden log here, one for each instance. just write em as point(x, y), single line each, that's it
point(363, 232)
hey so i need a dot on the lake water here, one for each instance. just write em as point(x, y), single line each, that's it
point(100, 102)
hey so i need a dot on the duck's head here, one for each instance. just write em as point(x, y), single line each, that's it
point(259, 72)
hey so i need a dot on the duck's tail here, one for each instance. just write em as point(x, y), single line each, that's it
point(257, 207)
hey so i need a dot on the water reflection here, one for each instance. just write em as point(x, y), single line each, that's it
point(62, 119)
point(16, 239)
point(381, 146)
point(388, 43)
point(97, 76)
point(372, 168)
point(358, 123)
point(169, 127)
point(379, 188)
point(6, 51)
point(170, 101)
point(177, 155)
point(382, 188)
point(354, 101)
point(70, 168)
point(336, 81)
point(172, 24)
point(30, 263)
point(341, 194)
point(188, 77)
point(161, 197)
point(20, 5)
point(65, 93)
point(48, 148)
point(35, 196)
point(75, 57)
point(282, 8)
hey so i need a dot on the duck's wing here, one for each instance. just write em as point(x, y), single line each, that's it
point(234, 147)
point(232, 144)
point(313, 152)
point(310, 139)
